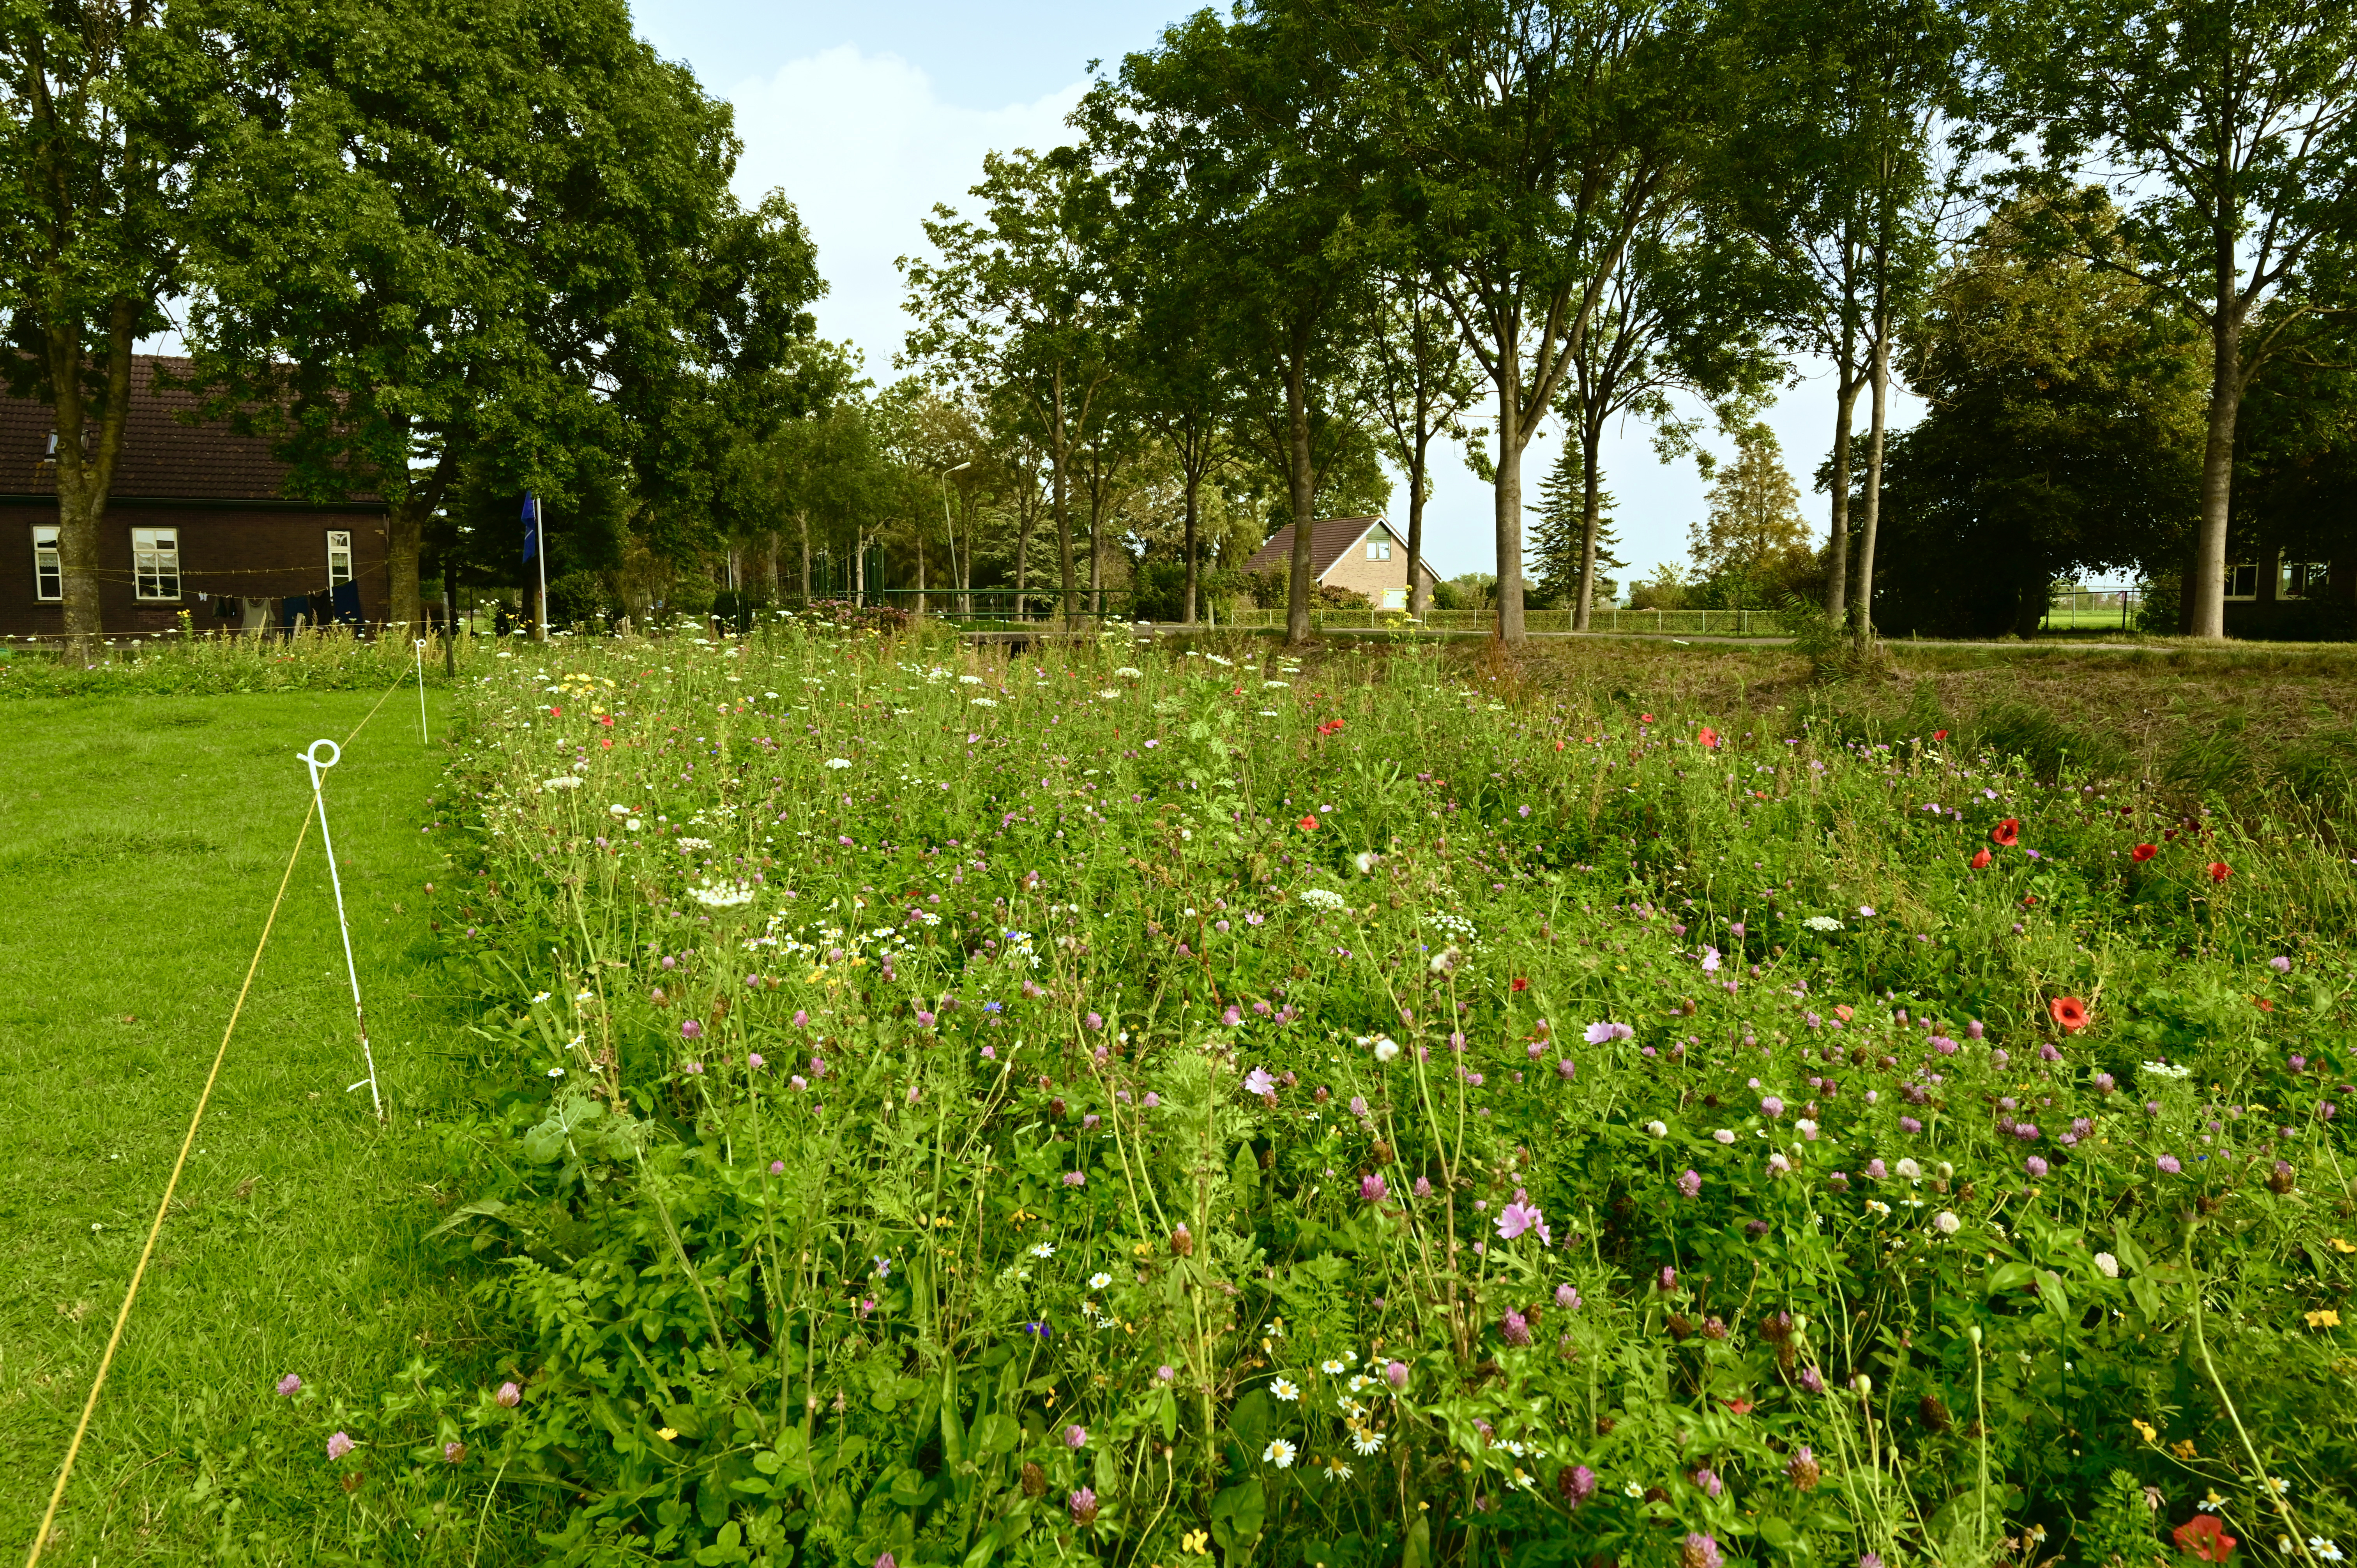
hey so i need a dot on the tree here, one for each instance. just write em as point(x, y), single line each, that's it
point(1560, 543)
point(104, 111)
point(1021, 300)
point(1247, 120)
point(2063, 436)
point(1836, 176)
point(1171, 274)
point(1753, 536)
point(1679, 314)
point(2227, 132)
point(511, 273)
point(1417, 383)
point(1527, 145)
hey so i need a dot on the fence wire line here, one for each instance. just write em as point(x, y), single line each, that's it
point(155, 1229)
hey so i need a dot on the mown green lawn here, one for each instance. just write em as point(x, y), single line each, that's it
point(145, 839)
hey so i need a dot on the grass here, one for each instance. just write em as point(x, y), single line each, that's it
point(146, 837)
point(149, 832)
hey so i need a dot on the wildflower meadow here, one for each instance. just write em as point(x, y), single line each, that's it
point(1151, 1103)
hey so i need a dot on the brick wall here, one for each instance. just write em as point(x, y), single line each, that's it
point(263, 552)
point(1354, 572)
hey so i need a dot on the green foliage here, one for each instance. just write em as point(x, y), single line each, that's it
point(1024, 1107)
point(2065, 435)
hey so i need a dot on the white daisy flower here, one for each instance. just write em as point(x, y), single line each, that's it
point(1280, 1454)
point(1284, 1389)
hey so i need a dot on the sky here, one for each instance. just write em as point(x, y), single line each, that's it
point(866, 116)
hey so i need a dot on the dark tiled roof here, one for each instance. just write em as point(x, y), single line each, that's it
point(1329, 538)
point(162, 456)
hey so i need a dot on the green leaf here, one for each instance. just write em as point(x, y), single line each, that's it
point(997, 1433)
point(1249, 1419)
point(1237, 1514)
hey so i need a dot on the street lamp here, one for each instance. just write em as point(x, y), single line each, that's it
point(950, 528)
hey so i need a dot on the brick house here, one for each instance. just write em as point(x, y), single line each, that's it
point(1359, 554)
point(2296, 593)
point(197, 514)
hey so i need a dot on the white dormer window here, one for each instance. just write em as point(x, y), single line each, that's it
point(1379, 547)
point(339, 556)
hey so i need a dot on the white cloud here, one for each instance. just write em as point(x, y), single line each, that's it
point(864, 146)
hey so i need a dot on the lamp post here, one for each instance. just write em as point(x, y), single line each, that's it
point(965, 603)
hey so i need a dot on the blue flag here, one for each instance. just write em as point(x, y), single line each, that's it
point(531, 526)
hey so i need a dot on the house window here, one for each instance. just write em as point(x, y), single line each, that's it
point(2302, 579)
point(339, 556)
point(48, 576)
point(155, 562)
point(1379, 548)
point(2242, 580)
point(1394, 598)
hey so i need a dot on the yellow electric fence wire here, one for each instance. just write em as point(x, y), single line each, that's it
point(123, 1313)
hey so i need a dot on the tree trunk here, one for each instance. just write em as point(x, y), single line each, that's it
point(921, 570)
point(858, 567)
point(1591, 441)
point(1509, 496)
point(1096, 547)
point(1024, 522)
point(1863, 605)
point(1194, 488)
point(1062, 456)
point(405, 533)
point(1419, 597)
point(2209, 574)
point(85, 478)
point(772, 543)
point(1845, 409)
point(801, 523)
point(1301, 482)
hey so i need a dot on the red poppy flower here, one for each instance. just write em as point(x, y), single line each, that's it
point(2264, 1005)
point(2006, 833)
point(1980, 860)
point(1939, 734)
point(2069, 1013)
point(1520, 984)
point(1644, 719)
point(1307, 824)
point(2143, 853)
point(1708, 736)
point(2219, 871)
point(2203, 1537)
point(1738, 1406)
point(555, 712)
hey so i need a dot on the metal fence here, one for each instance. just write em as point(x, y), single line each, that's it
point(1670, 623)
point(2091, 609)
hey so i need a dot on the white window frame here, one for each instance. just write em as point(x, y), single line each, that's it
point(1379, 548)
point(48, 566)
point(2239, 573)
point(156, 565)
point(339, 556)
point(2301, 579)
point(1394, 598)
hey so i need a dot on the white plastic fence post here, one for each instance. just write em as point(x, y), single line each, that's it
point(422, 735)
point(311, 759)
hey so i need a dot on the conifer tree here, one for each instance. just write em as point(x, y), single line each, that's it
point(1555, 542)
